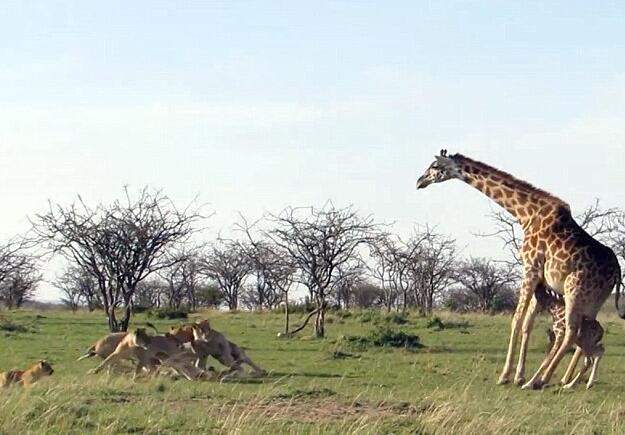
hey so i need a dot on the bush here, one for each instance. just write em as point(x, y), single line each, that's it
point(8, 326)
point(397, 318)
point(369, 316)
point(436, 322)
point(386, 337)
point(138, 309)
point(165, 313)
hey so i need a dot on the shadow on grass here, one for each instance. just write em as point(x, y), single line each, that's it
point(464, 351)
point(310, 375)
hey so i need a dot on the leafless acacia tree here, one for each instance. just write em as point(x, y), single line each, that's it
point(78, 288)
point(273, 266)
point(383, 269)
point(617, 235)
point(226, 262)
point(367, 295)
point(486, 281)
point(150, 293)
point(432, 269)
point(348, 276)
point(20, 285)
point(182, 278)
point(118, 244)
point(319, 241)
point(14, 256)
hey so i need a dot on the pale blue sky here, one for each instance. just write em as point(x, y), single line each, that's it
point(259, 105)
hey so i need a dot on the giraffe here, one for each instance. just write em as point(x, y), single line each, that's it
point(556, 252)
point(587, 339)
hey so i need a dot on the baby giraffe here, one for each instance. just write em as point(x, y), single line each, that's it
point(587, 339)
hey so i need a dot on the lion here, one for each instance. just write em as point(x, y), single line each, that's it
point(209, 342)
point(26, 377)
point(148, 350)
point(107, 344)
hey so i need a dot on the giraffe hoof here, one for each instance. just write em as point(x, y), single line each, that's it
point(533, 385)
point(503, 380)
point(519, 381)
point(568, 386)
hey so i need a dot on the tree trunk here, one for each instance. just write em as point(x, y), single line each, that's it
point(320, 322)
point(113, 326)
point(126, 320)
point(286, 314)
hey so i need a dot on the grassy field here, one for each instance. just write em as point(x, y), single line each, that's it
point(314, 386)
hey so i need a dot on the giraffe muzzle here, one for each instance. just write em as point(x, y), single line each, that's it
point(422, 182)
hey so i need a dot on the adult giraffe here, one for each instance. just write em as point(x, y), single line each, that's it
point(556, 253)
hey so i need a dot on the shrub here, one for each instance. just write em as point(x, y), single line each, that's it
point(436, 322)
point(369, 316)
point(165, 313)
point(397, 318)
point(386, 337)
point(137, 309)
point(8, 326)
point(393, 338)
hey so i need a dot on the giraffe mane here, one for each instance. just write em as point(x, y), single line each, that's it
point(514, 182)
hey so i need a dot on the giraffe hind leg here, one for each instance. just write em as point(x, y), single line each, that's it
point(593, 373)
point(573, 323)
point(572, 365)
point(587, 363)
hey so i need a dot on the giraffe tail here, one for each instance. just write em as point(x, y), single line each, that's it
point(617, 295)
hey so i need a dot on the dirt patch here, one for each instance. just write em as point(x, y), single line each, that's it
point(332, 409)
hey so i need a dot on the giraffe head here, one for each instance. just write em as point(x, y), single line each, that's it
point(442, 169)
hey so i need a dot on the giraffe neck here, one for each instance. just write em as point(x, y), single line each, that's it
point(519, 198)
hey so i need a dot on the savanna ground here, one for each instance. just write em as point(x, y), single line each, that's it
point(328, 385)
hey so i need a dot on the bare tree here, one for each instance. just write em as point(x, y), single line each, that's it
point(78, 287)
point(226, 262)
point(150, 293)
point(20, 285)
point(208, 295)
point(485, 281)
point(383, 270)
point(348, 275)
point(71, 294)
point(432, 269)
point(14, 257)
point(367, 295)
point(119, 244)
point(319, 241)
point(182, 278)
point(617, 235)
point(398, 265)
point(273, 267)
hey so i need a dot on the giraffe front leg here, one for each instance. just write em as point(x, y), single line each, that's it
point(528, 323)
point(526, 293)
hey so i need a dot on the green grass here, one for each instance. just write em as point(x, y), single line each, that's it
point(314, 386)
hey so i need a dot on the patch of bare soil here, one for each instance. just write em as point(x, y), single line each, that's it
point(315, 408)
